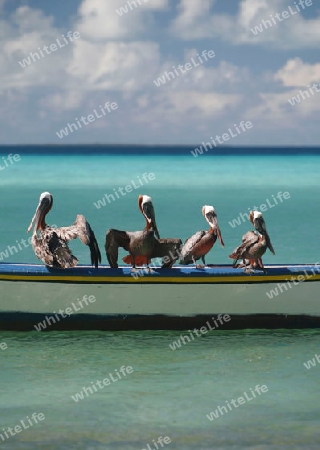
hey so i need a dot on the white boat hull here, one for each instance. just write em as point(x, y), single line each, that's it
point(177, 299)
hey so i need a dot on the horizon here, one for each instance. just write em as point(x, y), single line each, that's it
point(199, 151)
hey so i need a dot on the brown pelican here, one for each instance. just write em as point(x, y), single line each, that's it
point(198, 245)
point(51, 244)
point(254, 244)
point(142, 245)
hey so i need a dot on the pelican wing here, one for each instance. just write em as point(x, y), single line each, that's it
point(81, 229)
point(190, 246)
point(53, 251)
point(169, 249)
point(249, 239)
point(114, 240)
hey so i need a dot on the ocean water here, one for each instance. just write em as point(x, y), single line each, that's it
point(181, 186)
point(169, 393)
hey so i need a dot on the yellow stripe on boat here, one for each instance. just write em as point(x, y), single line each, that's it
point(158, 279)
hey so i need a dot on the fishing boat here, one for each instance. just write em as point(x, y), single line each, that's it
point(85, 298)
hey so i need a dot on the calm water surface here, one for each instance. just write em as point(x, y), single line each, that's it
point(169, 392)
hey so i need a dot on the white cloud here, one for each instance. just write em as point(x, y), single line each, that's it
point(195, 20)
point(297, 73)
point(63, 101)
point(191, 12)
point(105, 65)
point(205, 102)
point(114, 65)
point(27, 31)
point(99, 19)
point(93, 64)
point(224, 77)
point(274, 112)
point(271, 109)
point(200, 21)
point(29, 20)
point(172, 107)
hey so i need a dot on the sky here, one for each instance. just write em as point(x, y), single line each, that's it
point(116, 57)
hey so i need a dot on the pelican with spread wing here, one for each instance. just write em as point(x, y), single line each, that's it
point(51, 244)
point(142, 245)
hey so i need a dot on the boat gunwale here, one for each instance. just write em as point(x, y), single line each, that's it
point(215, 274)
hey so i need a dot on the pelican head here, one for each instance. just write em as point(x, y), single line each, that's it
point(146, 207)
point(257, 221)
point(44, 206)
point(259, 224)
point(210, 215)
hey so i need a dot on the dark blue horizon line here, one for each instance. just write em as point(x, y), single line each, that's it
point(151, 150)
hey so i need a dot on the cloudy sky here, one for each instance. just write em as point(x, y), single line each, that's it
point(118, 57)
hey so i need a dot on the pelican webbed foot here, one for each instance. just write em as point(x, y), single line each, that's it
point(198, 266)
point(249, 270)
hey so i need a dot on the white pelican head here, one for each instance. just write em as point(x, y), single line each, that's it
point(146, 207)
point(44, 206)
point(257, 220)
point(210, 215)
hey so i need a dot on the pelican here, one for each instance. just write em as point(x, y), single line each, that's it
point(141, 245)
point(254, 244)
point(51, 247)
point(198, 245)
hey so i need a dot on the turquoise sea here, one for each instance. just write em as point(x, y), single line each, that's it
point(169, 392)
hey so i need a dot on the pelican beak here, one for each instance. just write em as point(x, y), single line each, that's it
point(213, 222)
point(39, 215)
point(269, 245)
point(260, 225)
point(148, 212)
